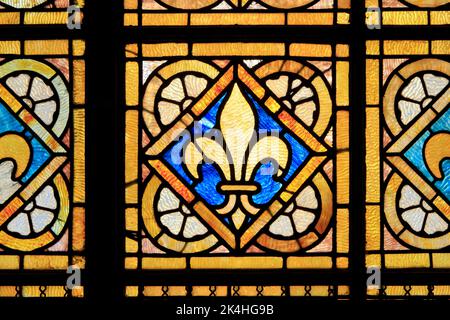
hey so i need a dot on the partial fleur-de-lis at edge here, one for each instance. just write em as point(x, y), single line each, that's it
point(15, 148)
point(238, 134)
point(436, 152)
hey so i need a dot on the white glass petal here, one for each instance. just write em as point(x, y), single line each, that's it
point(435, 224)
point(29, 206)
point(19, 84)
point(40, 219)
point(20, 224)
point(174, 91)
point(256, 6)
point(194, 85)
point(290, 208)
point(305, 112)
point(426, 206)
point(302, 220)
point(251, 62)
point(302, 94)
point(307, 198)
point(408, 110)
point(173, 222)
point(46, 198)
point(279, 86)
point(287, 103)
point(409, 198)
point(167, 201)
point(168, 112)
point(434, 84)
point(40, 90)
point(414, 218)
point(296, 83)
point(282, 226)
point(222, 6)
point(46, 111)
point(414, 90)
point(193, 227)
point(185, 209)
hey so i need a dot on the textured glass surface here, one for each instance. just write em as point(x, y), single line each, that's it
point(42, 187)
point(234, 12)
point(232, 161)
point(407, 136)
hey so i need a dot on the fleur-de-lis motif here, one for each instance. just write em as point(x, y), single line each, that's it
point(238, 157)
point(13, 148)
point(436, 152)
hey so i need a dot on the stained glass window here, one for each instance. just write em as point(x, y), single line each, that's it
point(234, 159)
point(236, 12)
point(407, 12)
point(42, 175)
point(407, 124)
point(172, 149)
point(41, 12)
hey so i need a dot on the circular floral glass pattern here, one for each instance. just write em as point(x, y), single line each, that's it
point(177, 218)
point(302, 88)
point(171, 89)
point(304, 222)
point(177, 95)
point(37, 215)
point(417, 93)
point(170, 223)
point(418, 215)
point(42, 89)
point(411, 89)
point(298, 216)
point(37, 95)
point(41, 221)
point(297, 94)
point(413, 219)
point(417, 193)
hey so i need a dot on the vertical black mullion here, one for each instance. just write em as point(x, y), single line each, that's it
point(102, 137)
point(357, 151)
point(119, 107)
